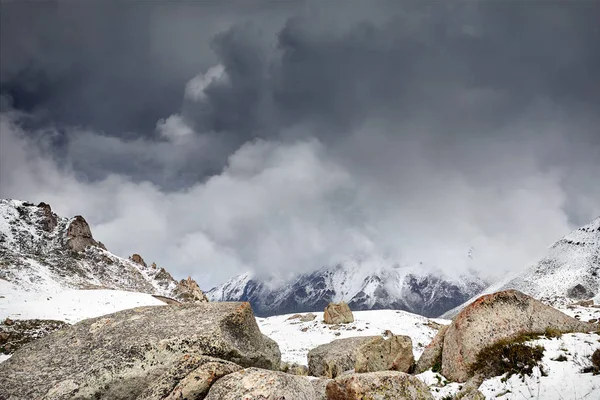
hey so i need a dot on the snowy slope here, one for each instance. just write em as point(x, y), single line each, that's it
point(296, 338)
point(362, 287)
point(42, 252)
point(570, 271)
point(69, 305)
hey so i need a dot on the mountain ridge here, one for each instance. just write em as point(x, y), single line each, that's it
point(390, 287)
point(41, 251)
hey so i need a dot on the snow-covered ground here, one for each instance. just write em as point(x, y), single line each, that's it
point(296, 338)
point(68, 305)
point(564, 379)
point(561, 379)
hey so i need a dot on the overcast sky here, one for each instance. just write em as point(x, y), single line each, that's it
point(282, 137)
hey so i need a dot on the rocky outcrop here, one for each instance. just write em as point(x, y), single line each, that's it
point(118, 356)
point(331, 359)
point(338, 313)
point(79, 235)
point(488, 320)
point(190, 379)
point(382, 354)
point(378, 385)
point(48, 220)
point(259, 384)
point(136, 258)
point(187, 290)
point(14, 334)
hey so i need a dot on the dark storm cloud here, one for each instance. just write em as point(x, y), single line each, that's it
point(282, 138)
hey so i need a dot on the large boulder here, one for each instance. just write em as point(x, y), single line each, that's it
point(496, 317)
point(120, 355)
point(338, 313)
point(260, 384)
point(14, 334)
point(378, 385)
point(331, 359)
point(382, 354)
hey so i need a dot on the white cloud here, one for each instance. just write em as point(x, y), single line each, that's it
point(194, 89)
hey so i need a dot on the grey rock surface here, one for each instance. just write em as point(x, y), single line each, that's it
point(260, 384)
point(382, 385)
point(118, 356)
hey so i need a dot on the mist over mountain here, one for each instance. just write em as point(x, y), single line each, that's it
point(281, 138)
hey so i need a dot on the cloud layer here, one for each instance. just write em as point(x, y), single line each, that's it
point(304, 135)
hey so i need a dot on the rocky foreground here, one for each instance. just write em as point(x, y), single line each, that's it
point(217, 351)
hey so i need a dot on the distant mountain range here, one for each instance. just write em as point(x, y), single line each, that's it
point(390, 287)
point(40, 251)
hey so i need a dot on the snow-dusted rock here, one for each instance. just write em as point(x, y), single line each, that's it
point(331, 359)
point(495, 317)
point(338, 313)
point(382, 354)
point(378, 385)
point(119, 355)
point(259, 384)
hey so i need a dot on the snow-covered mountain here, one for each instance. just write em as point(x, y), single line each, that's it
point(363, 288)
point(570, 271)
point(42, 252)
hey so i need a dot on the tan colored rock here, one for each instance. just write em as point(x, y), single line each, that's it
point(496, 317)
point(303, 317)
point(136, 258)
point(432, 355)
point(187, 290)
point(338, 313)
point(380, 354)
point(332, 359)
point(79, 235)
point(260, 384)
point(378, 385)
point(189, 379)
point(120, 355)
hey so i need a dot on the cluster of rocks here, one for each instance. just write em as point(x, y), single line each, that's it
point(216, 351)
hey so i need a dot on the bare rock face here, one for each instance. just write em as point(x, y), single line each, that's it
point(260, 384)
point(120, 355)
point(495, 317)
point(136, 258)
point(79, 235)
point(190, 379)
point(380, 354)
point(331, 359)
point(378, 385)
point(187, 290)
point(432, 356)
point(48, 220)
point(338, 314)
